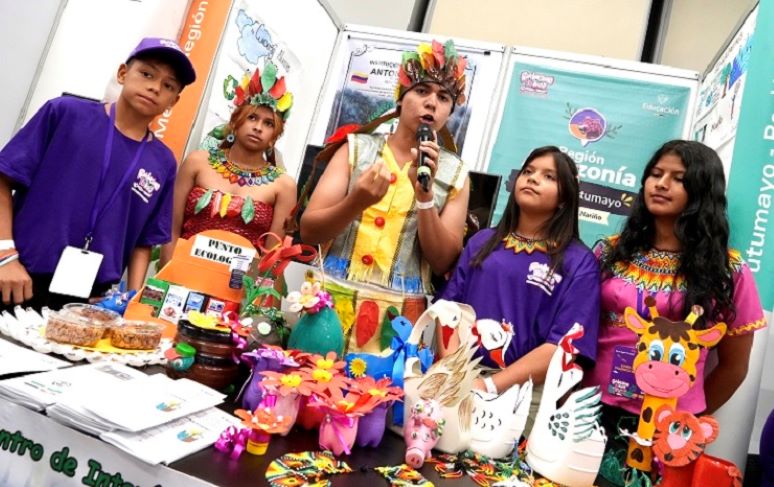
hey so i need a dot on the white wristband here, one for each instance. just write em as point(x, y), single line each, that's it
point(491, 388)
point(7, 244)
point(424, 205)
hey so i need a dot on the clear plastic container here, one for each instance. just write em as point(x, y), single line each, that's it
point(73, 329)
point(136, 335)
point(95, 314)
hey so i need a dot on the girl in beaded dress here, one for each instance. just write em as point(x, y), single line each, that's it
point(237, 185)
point(673, 247)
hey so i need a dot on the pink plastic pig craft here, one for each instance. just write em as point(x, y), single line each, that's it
point(422, 431)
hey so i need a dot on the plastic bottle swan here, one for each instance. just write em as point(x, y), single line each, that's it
point(567, 442)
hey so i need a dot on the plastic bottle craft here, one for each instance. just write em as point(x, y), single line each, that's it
point(319, 329)
point(485, 423)
point(567, 442)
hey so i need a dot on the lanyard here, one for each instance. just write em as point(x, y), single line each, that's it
point(96, 212)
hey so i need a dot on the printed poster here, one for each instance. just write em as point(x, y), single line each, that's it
point(609, 125)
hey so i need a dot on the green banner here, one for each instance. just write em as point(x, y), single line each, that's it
point(751, 179)
point(610, 124)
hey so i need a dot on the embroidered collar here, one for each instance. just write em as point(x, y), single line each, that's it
point(523, 244)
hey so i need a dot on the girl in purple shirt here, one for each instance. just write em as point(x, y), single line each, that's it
point(674, 247)
point(530, 278)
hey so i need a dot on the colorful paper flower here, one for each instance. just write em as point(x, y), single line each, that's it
point(264, 420)
point(358, 367)
point(352, 404)
point(381, 390)
point(327, 363)
point(297, 381)
point(306, 298)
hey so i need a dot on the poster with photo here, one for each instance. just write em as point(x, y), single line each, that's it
point(370, 84)
point(363, 78)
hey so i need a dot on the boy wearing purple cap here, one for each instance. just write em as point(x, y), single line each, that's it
point(93, 186)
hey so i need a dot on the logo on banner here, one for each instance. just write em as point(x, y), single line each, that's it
point(661, 108)
point(535, 83)
point(598, 202)
point(587, 125)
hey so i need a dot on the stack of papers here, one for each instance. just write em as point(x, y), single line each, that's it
point(153, 417)
point(151, 402)
point(173, 441)
point(15, 359)
point(39, 391)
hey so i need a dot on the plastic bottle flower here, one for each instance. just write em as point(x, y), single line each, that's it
point(287, 383)
point(263, 419)
point(327, 375)
point(381, 390)
point(306, 299)
point(328, 362)
point(382, 394)
point(339, 426)
point(262, 423)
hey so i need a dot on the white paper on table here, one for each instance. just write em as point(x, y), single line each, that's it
point(40, 390)
point(172, 441)
point(152, 402)
point(15, 359)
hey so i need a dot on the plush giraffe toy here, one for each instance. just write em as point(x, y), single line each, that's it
point(664, 368)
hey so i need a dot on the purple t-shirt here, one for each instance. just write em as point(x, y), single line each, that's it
point(519, 304)
point(55, 163)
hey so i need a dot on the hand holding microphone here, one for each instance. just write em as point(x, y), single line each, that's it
point(424, 172)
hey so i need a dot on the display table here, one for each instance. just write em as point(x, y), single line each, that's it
point(208, 466)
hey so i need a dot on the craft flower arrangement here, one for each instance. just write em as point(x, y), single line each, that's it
point(262, 423)
point(327, 374)
point(372, 425)
point(319, 329)
point(261, 302)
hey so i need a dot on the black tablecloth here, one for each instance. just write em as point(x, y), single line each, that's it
point(250, 470)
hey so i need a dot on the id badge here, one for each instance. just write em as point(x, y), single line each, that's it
point(622, 381)
point(76, 272)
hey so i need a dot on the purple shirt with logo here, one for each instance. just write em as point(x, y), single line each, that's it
point(520, 306)
point(55, 162)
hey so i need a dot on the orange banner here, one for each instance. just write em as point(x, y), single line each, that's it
point(205, 23)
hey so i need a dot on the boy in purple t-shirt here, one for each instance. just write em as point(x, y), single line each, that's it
point(90, 176)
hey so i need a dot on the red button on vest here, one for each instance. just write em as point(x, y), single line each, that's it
point(367, 259)
point(393, 178)
point(379, 221)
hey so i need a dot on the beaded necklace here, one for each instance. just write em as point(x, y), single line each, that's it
point(237, 175)
point(520, 243)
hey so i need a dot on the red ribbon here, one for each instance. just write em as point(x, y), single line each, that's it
point(233, 441)
point(276, 259)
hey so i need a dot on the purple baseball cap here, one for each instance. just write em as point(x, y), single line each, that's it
point(168, 51)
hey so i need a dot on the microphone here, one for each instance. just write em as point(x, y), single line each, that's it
point(424, 133)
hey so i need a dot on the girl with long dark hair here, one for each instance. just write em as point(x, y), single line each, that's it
point(530, 278)
point(673, 247)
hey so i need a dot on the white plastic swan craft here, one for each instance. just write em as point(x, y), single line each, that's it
point(488, 424)
point(567, 442)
